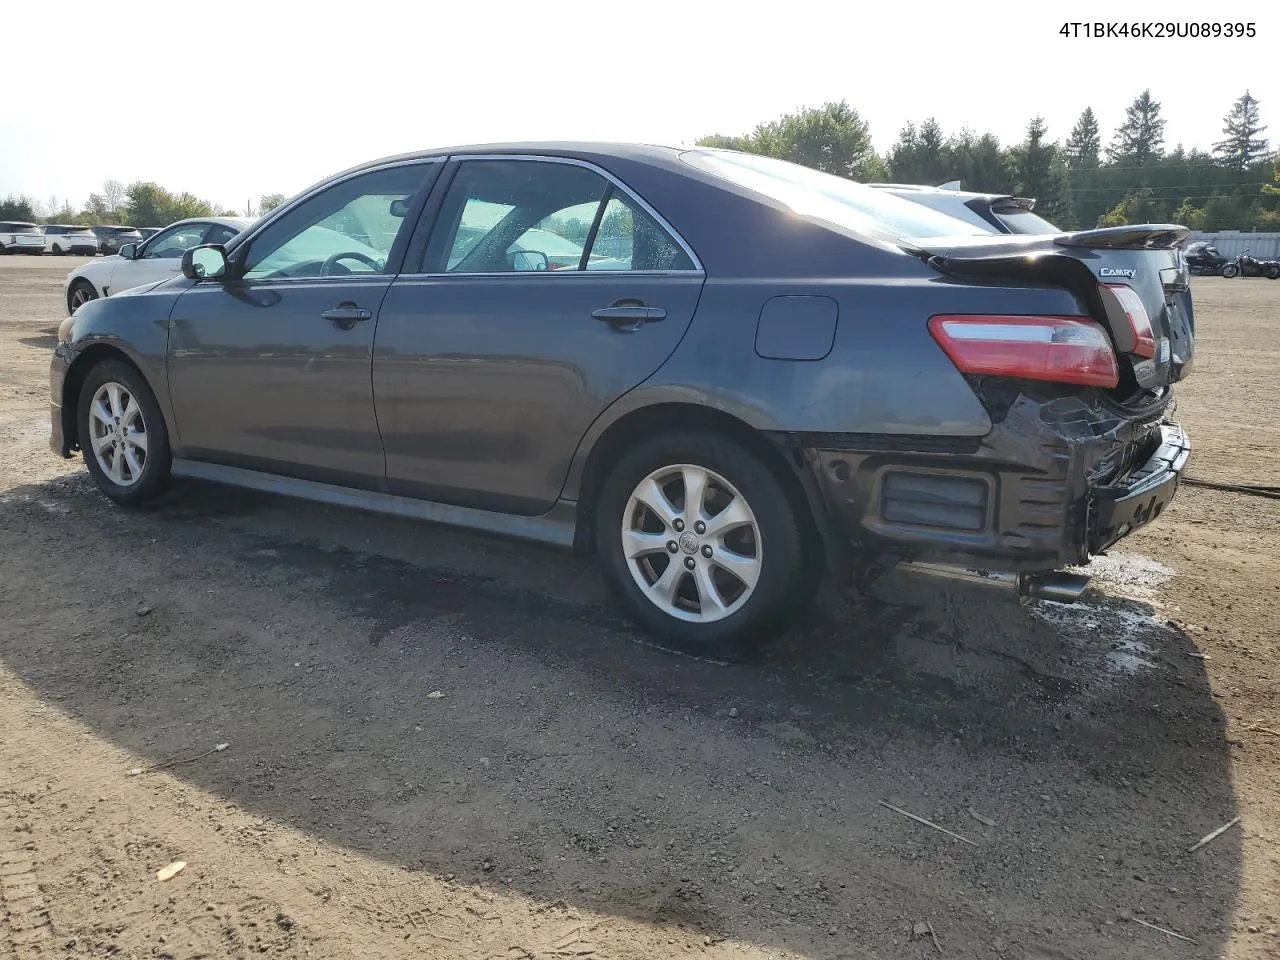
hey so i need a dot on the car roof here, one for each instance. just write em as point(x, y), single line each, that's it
point(589, 150)
point(942, 191)
point(239, 223)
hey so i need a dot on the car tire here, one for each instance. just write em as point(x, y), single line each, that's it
point(1230, 270)
point(57, 250)
point(80, 292)
point(686, 597)
point(122, 434)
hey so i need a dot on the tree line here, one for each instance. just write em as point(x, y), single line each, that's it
point(140, 204)
point(1077, 183)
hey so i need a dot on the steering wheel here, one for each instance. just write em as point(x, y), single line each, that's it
point(332, 261)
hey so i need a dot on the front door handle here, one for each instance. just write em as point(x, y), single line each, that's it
point(628, 316)
point(347, 315)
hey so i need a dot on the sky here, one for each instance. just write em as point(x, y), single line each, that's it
point(231, 100)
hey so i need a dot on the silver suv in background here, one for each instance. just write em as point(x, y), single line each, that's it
point(996, 212)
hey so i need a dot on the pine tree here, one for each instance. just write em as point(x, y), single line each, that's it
point(1085, 144)
point(1243, 144)
point(1140, 139)
point(1035, 173)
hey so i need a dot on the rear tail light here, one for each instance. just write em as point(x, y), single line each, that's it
point(1144, 338)
point(1059, 349)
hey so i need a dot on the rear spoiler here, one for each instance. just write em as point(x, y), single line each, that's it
point(1145, 236)
point(1013, 203)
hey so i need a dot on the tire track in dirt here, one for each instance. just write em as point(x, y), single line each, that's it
point(25, 923)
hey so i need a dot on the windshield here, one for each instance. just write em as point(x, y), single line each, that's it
point(844, 203)
point(1024, 221)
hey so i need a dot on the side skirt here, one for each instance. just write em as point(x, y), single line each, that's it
point(554, 528)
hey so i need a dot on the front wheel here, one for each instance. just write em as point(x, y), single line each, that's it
point(702, 545)
point(1230, 270)
point(81, 292)
point(122, 434)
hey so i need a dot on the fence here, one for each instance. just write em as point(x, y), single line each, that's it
point(1232, 243)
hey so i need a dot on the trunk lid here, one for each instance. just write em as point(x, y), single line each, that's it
point(1147, 259)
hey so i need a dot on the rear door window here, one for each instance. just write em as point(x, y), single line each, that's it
point(219, 233)
point(515, 216)
point(173, 243)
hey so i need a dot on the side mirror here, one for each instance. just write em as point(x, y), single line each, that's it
point(528, 260)
point(129, 251)
point(205, 262)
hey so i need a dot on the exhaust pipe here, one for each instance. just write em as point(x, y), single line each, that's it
point(1056, 586)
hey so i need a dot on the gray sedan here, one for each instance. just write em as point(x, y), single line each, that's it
point(721, 374)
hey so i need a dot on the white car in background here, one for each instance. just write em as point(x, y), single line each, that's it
point(64, 238)
point(152, 261)
point(18, 236)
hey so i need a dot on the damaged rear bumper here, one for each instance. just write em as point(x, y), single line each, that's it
point(1117, 510)
point(1054, 482)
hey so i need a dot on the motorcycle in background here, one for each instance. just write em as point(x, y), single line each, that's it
point(1247, 266)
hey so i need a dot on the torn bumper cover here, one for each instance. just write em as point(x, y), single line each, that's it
point(1118, 509)
point(1052, 484)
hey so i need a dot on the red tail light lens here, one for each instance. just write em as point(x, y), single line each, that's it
point(1059, 349)
point(1144, 338)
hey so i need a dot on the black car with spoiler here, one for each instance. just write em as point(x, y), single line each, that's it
point(742, 373)
point(995, 212)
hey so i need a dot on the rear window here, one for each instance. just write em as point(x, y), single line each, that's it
point(19, 228)
point(1024, 221)
point(844, 203)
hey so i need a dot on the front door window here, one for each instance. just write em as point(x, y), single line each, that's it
point(346, 230)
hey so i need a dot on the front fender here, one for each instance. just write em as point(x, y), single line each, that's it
point(135, 326)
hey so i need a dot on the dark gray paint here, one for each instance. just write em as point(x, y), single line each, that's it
point(485, 385)
point(796, 328)
point(260, 379)
point(491, 392)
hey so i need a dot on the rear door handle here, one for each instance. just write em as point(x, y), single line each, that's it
point(347, 314)
point(629, 317)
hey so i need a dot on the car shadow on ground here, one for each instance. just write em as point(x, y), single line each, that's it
point(567, 761)
point(47, 340)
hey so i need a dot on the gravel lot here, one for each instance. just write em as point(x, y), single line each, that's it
point(448, 746)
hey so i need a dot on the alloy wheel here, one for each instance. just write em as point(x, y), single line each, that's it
point(80, 296)
point(118, 433)
point(692, 543)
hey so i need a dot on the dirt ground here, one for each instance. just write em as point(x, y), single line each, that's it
point(447, 746)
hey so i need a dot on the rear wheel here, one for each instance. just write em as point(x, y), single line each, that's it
point(701, 544)
point(1230, 270)
point(1273, 271)
point(122, 433)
